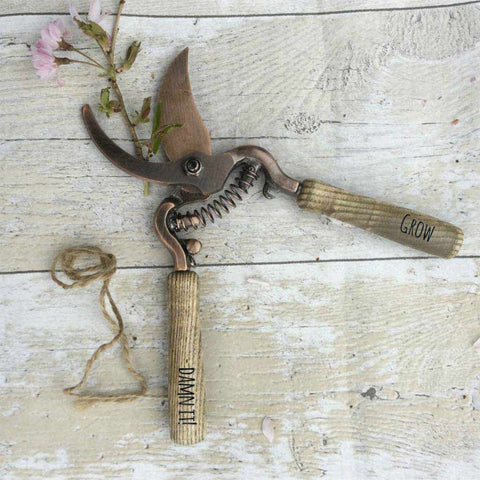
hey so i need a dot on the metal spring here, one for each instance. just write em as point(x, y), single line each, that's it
point(220, 206)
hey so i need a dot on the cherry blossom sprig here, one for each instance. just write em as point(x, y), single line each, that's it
point(46, 61)
point(53, 39)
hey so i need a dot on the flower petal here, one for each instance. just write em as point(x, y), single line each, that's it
point(268, 429)
point(42, 44)
point(59, 24)
point(57, 30)
point(47, 38)
point(73, 11)
point(54, 32)
point(41, 56)
point(95, 11)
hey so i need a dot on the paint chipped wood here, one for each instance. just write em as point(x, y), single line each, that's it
point(354, 382)
point(193, 8)
point(367, 367)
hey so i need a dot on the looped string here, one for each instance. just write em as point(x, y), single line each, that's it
point(104, 268)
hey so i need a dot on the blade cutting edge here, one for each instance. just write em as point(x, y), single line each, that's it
point(178, 106)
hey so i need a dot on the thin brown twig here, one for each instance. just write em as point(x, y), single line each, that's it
point(110, 57)
point(121, 4)
point(131, 126)
point(133, 132)
point(123, 108)
point(66, 61)
point(83, 54)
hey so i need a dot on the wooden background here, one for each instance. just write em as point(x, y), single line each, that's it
point(360, 350)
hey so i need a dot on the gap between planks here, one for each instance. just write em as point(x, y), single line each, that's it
point(256, 15)
point(256, 264)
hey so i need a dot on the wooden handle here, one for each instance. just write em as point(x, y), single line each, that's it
point(186, 389)
point(401, 225)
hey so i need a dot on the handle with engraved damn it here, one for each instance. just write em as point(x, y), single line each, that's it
point(186, 389)
point(401, 225)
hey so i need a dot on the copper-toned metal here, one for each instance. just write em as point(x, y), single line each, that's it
point(210, 178)
point(198, 174)
point(205, 173)
point(178, 106)
point(192, 168)
point(180, 260)
point(221, 205)
point(269, 163)
point(193, 246)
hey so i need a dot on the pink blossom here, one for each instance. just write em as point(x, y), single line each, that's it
point(44, 61)
point(53, 34)
point(95, 13)
point(73, 11)
point(43, 57)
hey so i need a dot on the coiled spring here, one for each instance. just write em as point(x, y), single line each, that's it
point(220, 206)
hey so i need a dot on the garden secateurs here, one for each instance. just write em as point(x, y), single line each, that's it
point(196, 174)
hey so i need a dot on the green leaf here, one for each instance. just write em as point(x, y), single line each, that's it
point(146, 108)
point(156, 117)
point(108, 106)
point(155, 146)
point(143, 116)
point(104, 96)
point(160, 133)
point(93, 30)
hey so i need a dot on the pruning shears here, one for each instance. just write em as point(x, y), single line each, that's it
point(196, 174)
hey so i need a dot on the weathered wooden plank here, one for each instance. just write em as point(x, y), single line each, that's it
point(373, 109)
point(274, 77)
point(62, 193)
point(366, 368)
point(214, 7)
point(357, 386)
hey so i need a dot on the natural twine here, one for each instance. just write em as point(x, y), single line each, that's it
point(104, 268)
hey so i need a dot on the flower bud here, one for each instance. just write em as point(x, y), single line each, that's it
point(132, 53)
point(142, 116)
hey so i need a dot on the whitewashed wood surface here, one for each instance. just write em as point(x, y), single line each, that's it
point(359, 350)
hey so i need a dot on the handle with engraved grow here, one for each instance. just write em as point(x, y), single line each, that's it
point(401, 225)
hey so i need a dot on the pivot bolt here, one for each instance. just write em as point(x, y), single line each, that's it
point(193, 166)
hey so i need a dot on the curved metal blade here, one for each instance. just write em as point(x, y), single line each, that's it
point(179, 107)
point(215, 169)
point(154, 172)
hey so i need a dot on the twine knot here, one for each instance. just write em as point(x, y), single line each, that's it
point(103, 268)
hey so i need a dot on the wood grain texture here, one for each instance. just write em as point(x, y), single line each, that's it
point(366, 368)
point(363, 360)
point(186, 385)
point(225, 8)
point(398, 224)
point(369, 109)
